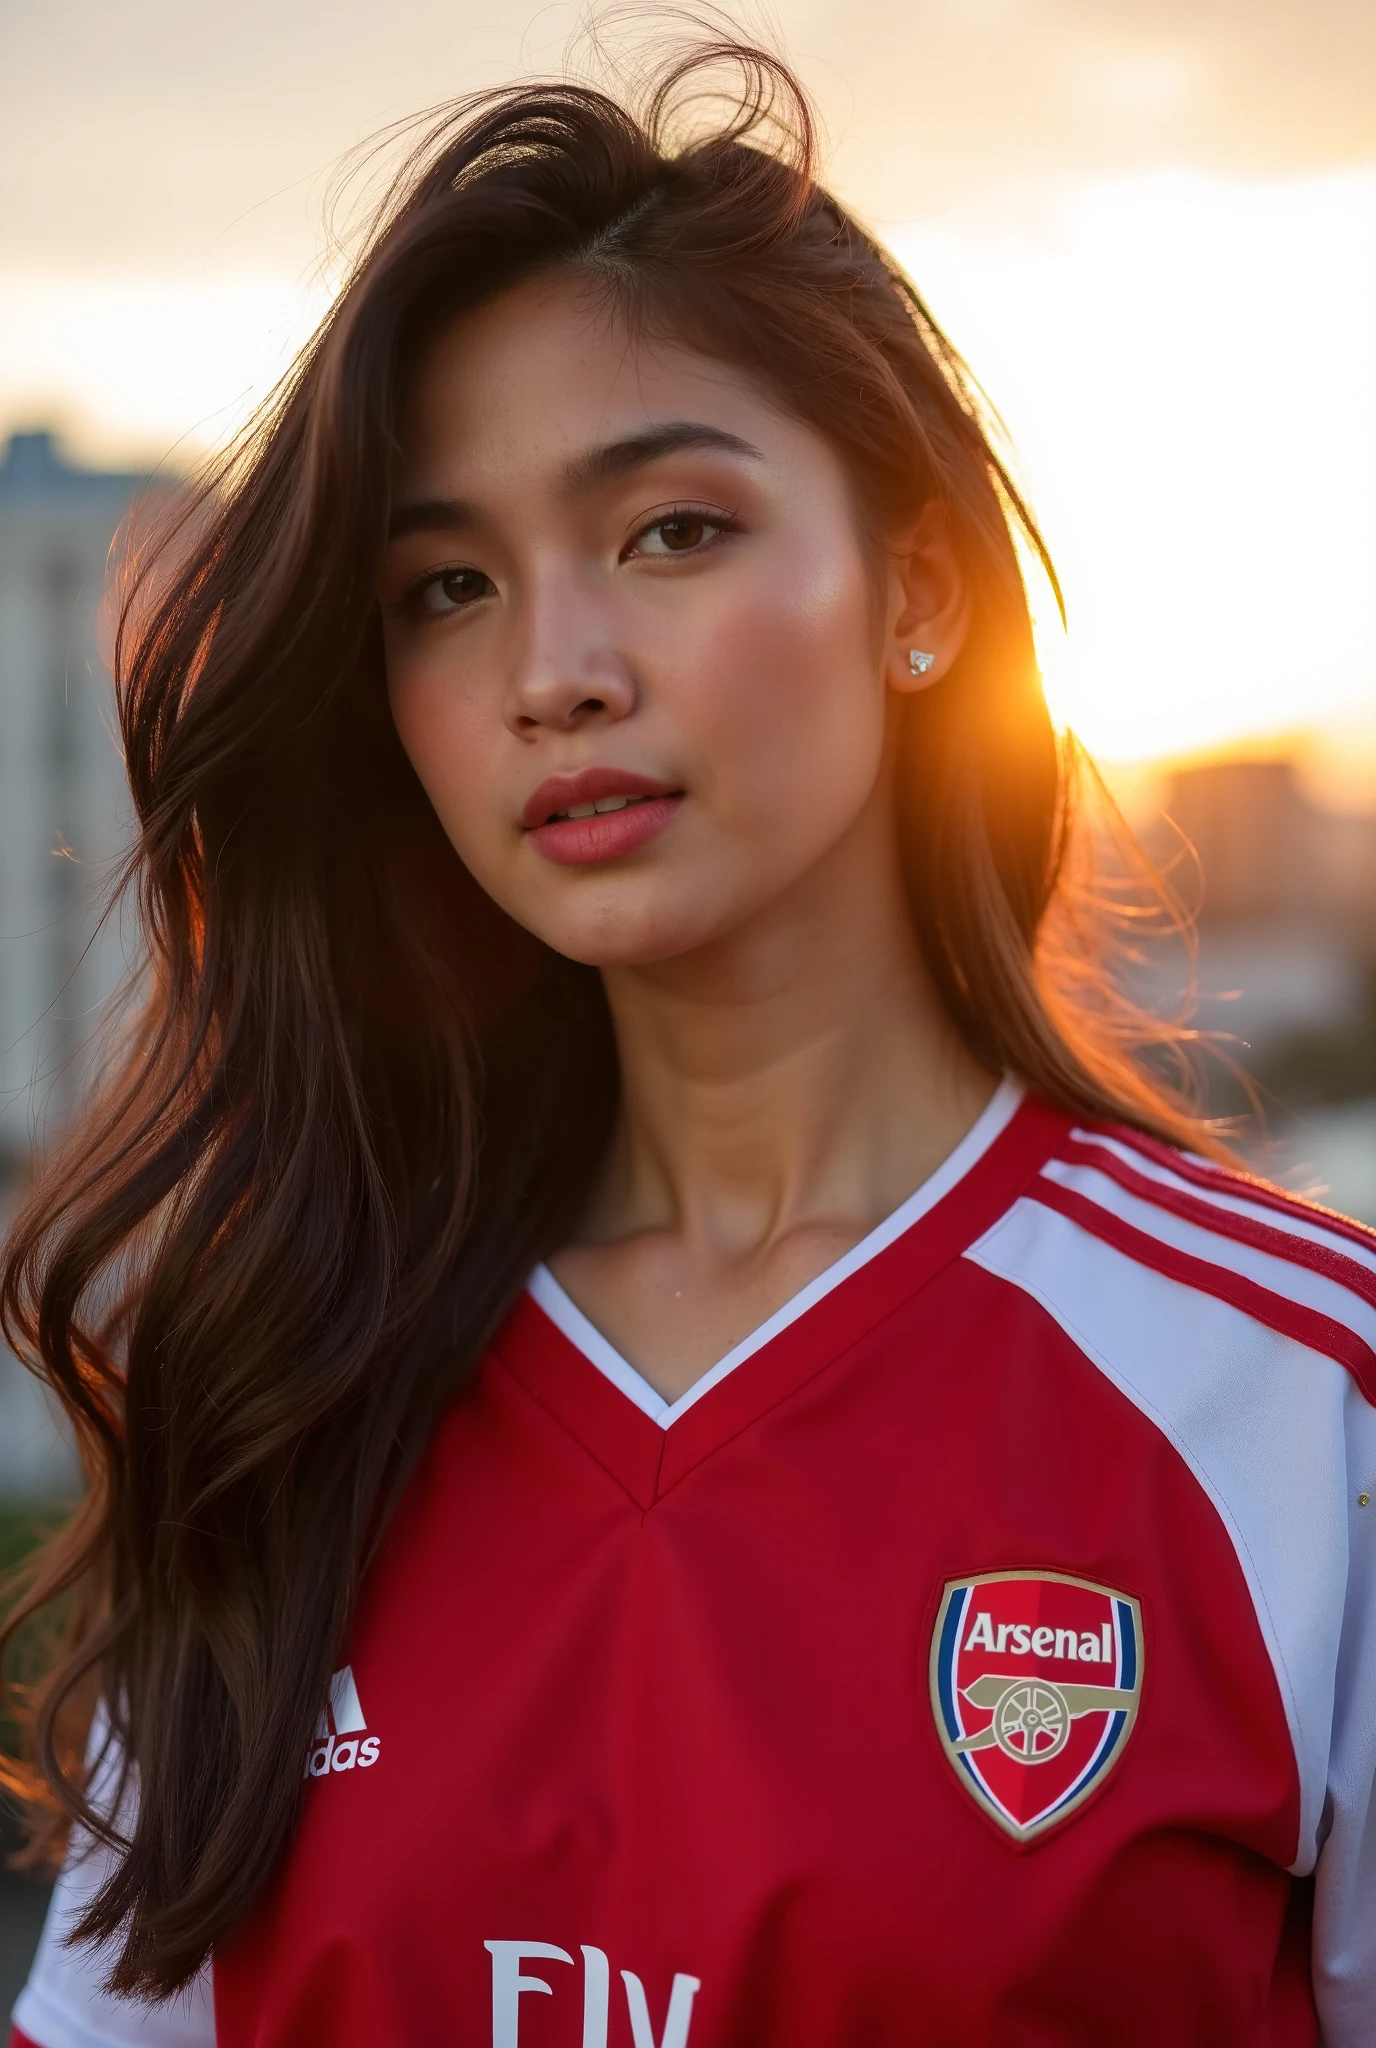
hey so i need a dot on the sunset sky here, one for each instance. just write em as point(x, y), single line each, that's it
point(1150, 227)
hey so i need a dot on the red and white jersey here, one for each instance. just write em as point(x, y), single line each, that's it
point(984, 1651)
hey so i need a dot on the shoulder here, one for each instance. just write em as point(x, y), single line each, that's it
point(1171, 1234)
point(1240, 1324)
point(65, 2002)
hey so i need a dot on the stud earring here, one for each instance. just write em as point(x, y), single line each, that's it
point(919, 661)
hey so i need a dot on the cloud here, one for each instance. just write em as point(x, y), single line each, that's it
point(172, 132)
point(954, 95)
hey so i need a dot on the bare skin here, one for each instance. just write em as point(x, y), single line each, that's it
point(700, 613)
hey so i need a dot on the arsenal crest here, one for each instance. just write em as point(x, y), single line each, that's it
point(1035, 1682)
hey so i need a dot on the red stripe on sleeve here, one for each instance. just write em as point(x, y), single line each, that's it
point(1262, 1237)
point(1228, 1181)
point(1289, 1318)
point(18, 2040)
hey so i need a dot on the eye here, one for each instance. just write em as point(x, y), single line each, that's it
point(446, 591)
point(680, 533)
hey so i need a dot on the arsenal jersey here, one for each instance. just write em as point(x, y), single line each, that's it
point(984, 1652)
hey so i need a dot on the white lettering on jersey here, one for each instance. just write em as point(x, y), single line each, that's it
point(677, 2019)
point(981, 1636)
point(509, 1981)
point(336, 1746)
point(596, 1998)
point(1088, 1648)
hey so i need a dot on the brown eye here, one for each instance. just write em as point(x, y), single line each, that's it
point(682, 533)
point(451, 590)
point(678, 533)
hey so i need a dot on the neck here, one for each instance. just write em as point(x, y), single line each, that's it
point(800, 1071)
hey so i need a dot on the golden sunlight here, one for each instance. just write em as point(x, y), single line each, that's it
point(1187, 369)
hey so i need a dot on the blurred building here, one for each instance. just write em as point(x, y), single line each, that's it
point(64, 818)
point(1286, 901)
point(1268, 854)
point(63, 803)
point(1286, 969)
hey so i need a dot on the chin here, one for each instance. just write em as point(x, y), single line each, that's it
point(629, 935)
point(606, 952)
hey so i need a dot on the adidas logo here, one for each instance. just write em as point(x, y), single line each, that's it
point(337, 1745)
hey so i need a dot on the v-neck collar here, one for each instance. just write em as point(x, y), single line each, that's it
point(566, 1315)
point(648, 1443)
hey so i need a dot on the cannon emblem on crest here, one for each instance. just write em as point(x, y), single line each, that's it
point(1032, 1716)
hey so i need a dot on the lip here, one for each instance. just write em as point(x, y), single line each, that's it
point(573, 842)
point(588, 786)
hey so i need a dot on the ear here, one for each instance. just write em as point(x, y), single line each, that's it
point(928, 609)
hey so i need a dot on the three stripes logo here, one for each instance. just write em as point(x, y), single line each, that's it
point(341, 1741)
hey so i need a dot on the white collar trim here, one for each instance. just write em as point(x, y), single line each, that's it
point(566, 1315)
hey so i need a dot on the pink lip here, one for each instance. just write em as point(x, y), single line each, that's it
point(588, 786)
point(607, 834)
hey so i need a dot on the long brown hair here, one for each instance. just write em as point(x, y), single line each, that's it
point(358, 1104)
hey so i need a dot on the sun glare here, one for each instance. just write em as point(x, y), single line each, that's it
point(1187, 369)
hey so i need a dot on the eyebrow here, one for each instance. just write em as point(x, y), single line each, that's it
point(615, 459)
point(585, 473)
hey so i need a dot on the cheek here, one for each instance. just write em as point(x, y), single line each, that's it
point(455, 747)
point(792, 692)
point(445, 745)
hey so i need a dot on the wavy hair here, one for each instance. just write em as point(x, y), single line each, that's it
point(358, 1103)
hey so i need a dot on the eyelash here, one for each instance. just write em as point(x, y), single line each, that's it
point(718, 523)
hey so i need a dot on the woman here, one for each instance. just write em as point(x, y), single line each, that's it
point(689, 1452)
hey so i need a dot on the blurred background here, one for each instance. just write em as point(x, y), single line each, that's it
point(1150, 227)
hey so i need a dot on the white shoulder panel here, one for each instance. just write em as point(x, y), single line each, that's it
point(1290, 1278)
point(65, 2005)
point(1282, 1442)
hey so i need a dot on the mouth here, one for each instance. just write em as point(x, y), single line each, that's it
point(598, 809)
point(598, 814)
point(590, 793)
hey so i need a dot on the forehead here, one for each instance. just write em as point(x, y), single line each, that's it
point(550, 368)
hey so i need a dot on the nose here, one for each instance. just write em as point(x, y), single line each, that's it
point(568, 671)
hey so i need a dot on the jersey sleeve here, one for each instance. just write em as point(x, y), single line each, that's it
point(1345, 1872)
point(1242, 1323)
point(65, 2003)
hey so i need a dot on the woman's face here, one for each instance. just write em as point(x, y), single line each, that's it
point(632, 647)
